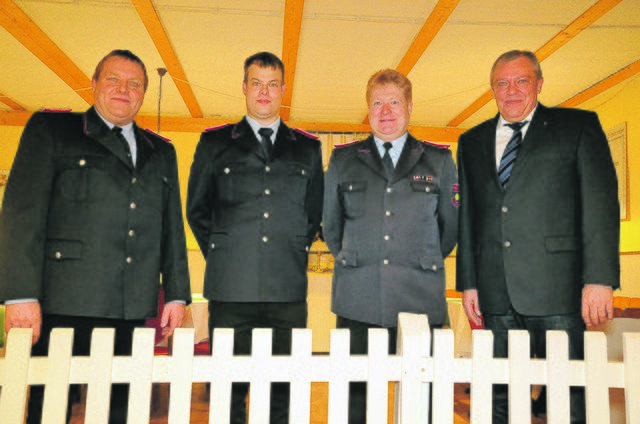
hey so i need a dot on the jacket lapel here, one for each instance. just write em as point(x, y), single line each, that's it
point(95, 128)
point(284, 138)
point(368, 153)
point(409, 157)
point(243, 135)
point(144, 145)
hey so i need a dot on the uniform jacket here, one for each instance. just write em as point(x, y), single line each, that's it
point(254, 219)
point(390, 238)
point(554, 229)
point(83, 231)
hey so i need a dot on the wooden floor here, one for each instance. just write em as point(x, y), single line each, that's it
point(319, 402)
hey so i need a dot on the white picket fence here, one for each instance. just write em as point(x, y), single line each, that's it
point(412, 368)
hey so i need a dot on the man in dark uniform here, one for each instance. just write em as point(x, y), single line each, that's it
point(390, 219)
point(539, 221)
point(254, 204)
point(91, 218)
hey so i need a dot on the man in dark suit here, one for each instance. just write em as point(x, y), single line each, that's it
point(390, 219)
point(90, 220)
point(539, 219)
point(254, 204)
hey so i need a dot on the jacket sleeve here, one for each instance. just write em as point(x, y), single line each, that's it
point(465, 259)
point(600, 210)
point(23, 218)
point(175, 268)
point(200, 194)
point(333, 213)
point(313, 201)
point(448, 206)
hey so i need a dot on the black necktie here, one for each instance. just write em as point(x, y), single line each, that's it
point(386, 159)
point(127, 149)
point(510, 152)
point(265, 140)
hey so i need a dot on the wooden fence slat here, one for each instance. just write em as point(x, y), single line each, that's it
point(443, 376)
point(57, 380)
point(222, 354)
point(260, 390)
point(481, 377)
point(99, 390)
point(301, 352)
point(15, 372)
point(142, 379)
point(338, 382)
point(377, 382)
point(181, 375)
point(519, 382)
point(596, 383)
point(631, 349)
point(558, 378)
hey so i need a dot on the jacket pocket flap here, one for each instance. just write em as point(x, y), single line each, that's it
point(347, 258)
point(432, 263)
point(561, 243)
point(426, 186)
point(300, 170)
point(63, 249)
point(353, 186)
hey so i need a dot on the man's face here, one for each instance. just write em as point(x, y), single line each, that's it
point(119, 91)
point(389, 112)
point(515, 88)
point(263, 91)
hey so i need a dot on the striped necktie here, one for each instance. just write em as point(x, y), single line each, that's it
point(510, 152)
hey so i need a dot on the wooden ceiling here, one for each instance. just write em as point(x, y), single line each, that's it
point(330, 48)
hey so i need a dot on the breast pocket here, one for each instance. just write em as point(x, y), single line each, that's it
point(297, 180)
point(81, 177)
point(354, 198)
point(425, 195)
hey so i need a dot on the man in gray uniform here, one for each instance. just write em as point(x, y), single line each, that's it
point(390, 218)
point(254, 204)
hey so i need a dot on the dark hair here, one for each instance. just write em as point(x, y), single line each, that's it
point(390, 76)
point(513, 55)
point(127, 54)
point(263, 60)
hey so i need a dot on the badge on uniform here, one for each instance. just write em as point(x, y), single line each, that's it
point(456, 195)
point(422, 178)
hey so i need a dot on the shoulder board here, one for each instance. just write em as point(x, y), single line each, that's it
point(306, 133)
point(168, 140)
point(440, 146)
point(339, 146)
point(217, 127)
point(55, 110)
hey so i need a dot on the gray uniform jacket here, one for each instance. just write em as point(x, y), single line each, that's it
point(83, 231)
point(555, 228)
point(254, 219)
point(390, 238)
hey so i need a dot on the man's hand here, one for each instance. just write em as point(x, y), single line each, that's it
point(472, 306)
point(24, 315)
point(172, 317)
point(597, 304)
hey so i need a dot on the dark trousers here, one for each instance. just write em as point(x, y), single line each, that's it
point(537, 326)
point(243, 317)
point(83, 328)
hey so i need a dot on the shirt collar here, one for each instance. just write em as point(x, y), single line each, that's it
point(255, 126)
point(126, 129)
point(502, 121)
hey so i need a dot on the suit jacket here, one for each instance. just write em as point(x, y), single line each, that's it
point(84, 232)
point(254, 218)
point(390, 238)
point(554, 229)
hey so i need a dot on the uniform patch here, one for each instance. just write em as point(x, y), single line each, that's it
point(455, 191)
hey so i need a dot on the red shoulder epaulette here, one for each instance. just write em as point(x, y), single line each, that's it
point(440, 146)
point(338, 146)
point(168, 140)
point(306, 133)
point(217, 127)
point(55, 110)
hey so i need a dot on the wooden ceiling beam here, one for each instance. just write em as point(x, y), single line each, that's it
point(595, 12)
point(18, 24)
point(622, 75)
point(151, 21)
point(432, 26)
point(12, 104)
point(293, 10)
point(197, 125)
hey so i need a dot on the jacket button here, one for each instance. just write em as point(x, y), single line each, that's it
point(133, 205)
point(386, 237)
point(58, 255)
point(267, 168)
point(388, 213)
point(82, 162)
point(213, 245)
point(389, 189)
point(434, 267)
point(129, 260)
point(350, 187)
point(132, 233)
point(303, 172)
point(134, 180)
point(267, 191)
point(265, 239)
point(344, 262)
point(427, 189)
point(386, 262)
point(227, 170)
point(507, 244)
point(505, 209)
point(266, 215)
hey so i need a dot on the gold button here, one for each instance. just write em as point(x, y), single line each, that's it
point(82, 162)
point(129, 260)
point(265, 239)
point(227, 170)
point(303, 172)
point(58, 255)
point(266, 215)
point(132, 233)
point(267, 168)
point(134, 180)
point(267, 191)
point(213, 245)
point(386, 262)
point(133, 205)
